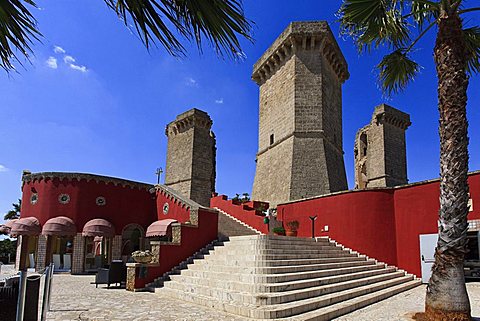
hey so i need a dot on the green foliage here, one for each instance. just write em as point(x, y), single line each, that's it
point(18, 29)
point(219, 22)
point(472, 42)
point(8, 246)
point(391, 23)
point(15, 212)
point(278, 230)
point(396, 71)
point(241, 199)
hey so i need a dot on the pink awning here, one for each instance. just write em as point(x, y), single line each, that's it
point(159, 228)
point(59, 226)
point(9, 223)
point(26, 226)
point(98, 227)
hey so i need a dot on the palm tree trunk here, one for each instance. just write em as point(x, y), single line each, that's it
point(447, 297)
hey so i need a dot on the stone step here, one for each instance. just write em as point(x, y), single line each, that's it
point(232, 301)
point(277, 257)
point(276, 245)
point(198, 266)
point(251, 277)
point(305, 305)
point(336, 310)
point(274, 239)
point(258, 251)
point(278, 292)
point(236, 261)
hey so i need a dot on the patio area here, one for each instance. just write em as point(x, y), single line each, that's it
point(75, 298)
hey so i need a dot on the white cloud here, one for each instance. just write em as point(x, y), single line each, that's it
point(189, 81)
point(219, 101)
point(68, 59)
point(51, 62)
point(58, 50)
point(79, 68)
point(3, 168)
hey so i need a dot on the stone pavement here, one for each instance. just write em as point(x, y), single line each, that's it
point(74, 298)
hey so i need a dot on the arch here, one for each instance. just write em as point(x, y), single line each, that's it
point(133, 236)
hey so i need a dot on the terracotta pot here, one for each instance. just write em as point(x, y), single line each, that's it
point(291, 233)
point(278, 234)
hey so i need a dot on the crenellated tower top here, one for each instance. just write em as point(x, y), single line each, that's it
point(308, 35)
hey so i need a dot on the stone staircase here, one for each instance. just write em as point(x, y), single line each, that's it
point(286, 278)
point(229, 226)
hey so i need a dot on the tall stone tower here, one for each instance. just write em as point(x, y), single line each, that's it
point(380, 149)
point(300, 148)
point(191, 156)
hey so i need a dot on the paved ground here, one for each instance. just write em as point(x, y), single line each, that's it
point(74, 298)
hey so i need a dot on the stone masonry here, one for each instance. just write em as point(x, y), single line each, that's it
point(300, 148)
point(191, 156)
point(380, 149)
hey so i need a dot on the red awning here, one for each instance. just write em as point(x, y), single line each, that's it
point(26, 226)
point(59, 226)
point(159, 228)
point(98, 227)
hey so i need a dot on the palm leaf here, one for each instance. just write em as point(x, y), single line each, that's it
point(17, 31)
point(374, 23)
point(396, 71)
point(472, 44)
point(218, 21)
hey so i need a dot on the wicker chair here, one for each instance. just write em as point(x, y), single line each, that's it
point(115, 274)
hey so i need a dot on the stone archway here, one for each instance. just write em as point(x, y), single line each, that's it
point(133, 238)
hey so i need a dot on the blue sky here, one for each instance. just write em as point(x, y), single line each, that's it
point(94, 100)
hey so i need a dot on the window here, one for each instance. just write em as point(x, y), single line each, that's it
point(272, 140)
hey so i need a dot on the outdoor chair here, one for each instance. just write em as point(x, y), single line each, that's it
point(115, 274)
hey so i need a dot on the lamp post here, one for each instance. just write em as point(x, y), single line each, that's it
point(313, 218)
point(158, 173)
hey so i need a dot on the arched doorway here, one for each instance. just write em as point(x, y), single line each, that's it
point(133, 236)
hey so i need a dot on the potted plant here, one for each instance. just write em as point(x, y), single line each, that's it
point(279, 230)
point(292, 228)
point(142, 256)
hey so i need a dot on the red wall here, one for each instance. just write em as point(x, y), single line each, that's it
point(124, 205)
point(416, 212)
point(243, 212)
point(192, 239)
point(363, 221)
point(176, 209)
point(383, 223)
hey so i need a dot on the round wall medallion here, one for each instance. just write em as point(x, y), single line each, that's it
point(165, 208)
point(34, 198)
point(100, 201)
point(64, 198)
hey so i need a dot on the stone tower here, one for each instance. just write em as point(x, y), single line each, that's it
point(300, 148)
point(380, 149)
point(191, 156)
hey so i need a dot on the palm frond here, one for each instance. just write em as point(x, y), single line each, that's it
point(472, 44)
point(218, 21)
point(424, 11)
point(396, 71)
point(17, 31)
point(373, 23)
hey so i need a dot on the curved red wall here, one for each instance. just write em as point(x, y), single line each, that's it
point(124, 205)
